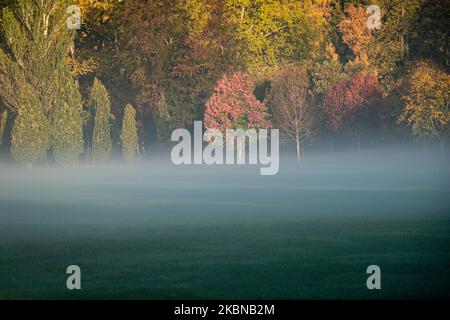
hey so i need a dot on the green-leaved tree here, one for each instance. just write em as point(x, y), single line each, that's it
point(129, 135)
point(34, 42)
point(101, 135)
point(67, 122)
point(30, 134)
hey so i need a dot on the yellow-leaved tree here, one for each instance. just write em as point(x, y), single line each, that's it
point(426, 109)
point(355, 33)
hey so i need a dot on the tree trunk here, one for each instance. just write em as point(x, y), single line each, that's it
point(332, 150)
point(138, 154)
point(424, 148)
point(404, 46)
point(297, 142)
point(72, 54)
point(359, 147)
point(116, 41)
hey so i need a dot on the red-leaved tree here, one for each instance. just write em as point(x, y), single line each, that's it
point(335, 106)
point(234, 106)
point(349, 105)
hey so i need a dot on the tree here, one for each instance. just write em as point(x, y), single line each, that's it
point(363, 92)
point(348, 104)
point(129, 135)
point(99, 48)
point(275, 31)
point(30, 134)
point(234, 106)
point(35, 44)
point(335, 106)
point(67, 121)
point(355, 33)
point(182, 50)
point(292, 105)
point(392, 107)
point(390, 49)
point(426, 109)
point(430, 32)
point(326, 71)
point(101, 136)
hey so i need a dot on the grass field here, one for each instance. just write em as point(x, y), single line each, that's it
point(196, 233)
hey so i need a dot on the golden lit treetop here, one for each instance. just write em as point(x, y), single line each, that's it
point(426, 108)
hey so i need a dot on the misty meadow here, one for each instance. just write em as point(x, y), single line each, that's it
point(94, 95)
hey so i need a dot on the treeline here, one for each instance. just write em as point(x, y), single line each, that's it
point(310, 68)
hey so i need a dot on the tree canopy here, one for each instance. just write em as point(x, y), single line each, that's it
point(178, 61)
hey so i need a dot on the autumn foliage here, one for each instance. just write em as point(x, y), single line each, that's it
point(355, 33)
point(234, 106)
point(426, 109)
point(348, 103)
point(174, 61)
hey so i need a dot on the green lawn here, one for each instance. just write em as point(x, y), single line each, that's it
point(210, 234)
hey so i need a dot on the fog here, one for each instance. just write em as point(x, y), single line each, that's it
point(396, 170)
point(217, 230)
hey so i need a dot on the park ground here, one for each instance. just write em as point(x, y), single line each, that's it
point(227, 233)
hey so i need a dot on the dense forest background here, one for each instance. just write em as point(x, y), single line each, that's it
point(134, 70)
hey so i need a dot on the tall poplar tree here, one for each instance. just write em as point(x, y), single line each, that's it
point(67, 122)
point(101, 136)
point(129, 135)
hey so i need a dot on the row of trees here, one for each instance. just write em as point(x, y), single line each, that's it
point(359, 89)
point(350, 106)
point(40, 92)
point(307, 67)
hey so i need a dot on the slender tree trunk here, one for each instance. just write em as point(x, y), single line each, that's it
point(424, 148)
point(72, 54)
point(332, 150)
point(297, 142)
point(138, 154)
point(403, 43)
point(116, 41)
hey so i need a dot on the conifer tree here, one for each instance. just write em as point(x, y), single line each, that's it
point(129, 135)
point(101, 136)
point(35, 42)
point(67, 122)
point(30, 137)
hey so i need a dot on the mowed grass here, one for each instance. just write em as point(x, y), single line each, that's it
point(168, 234)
